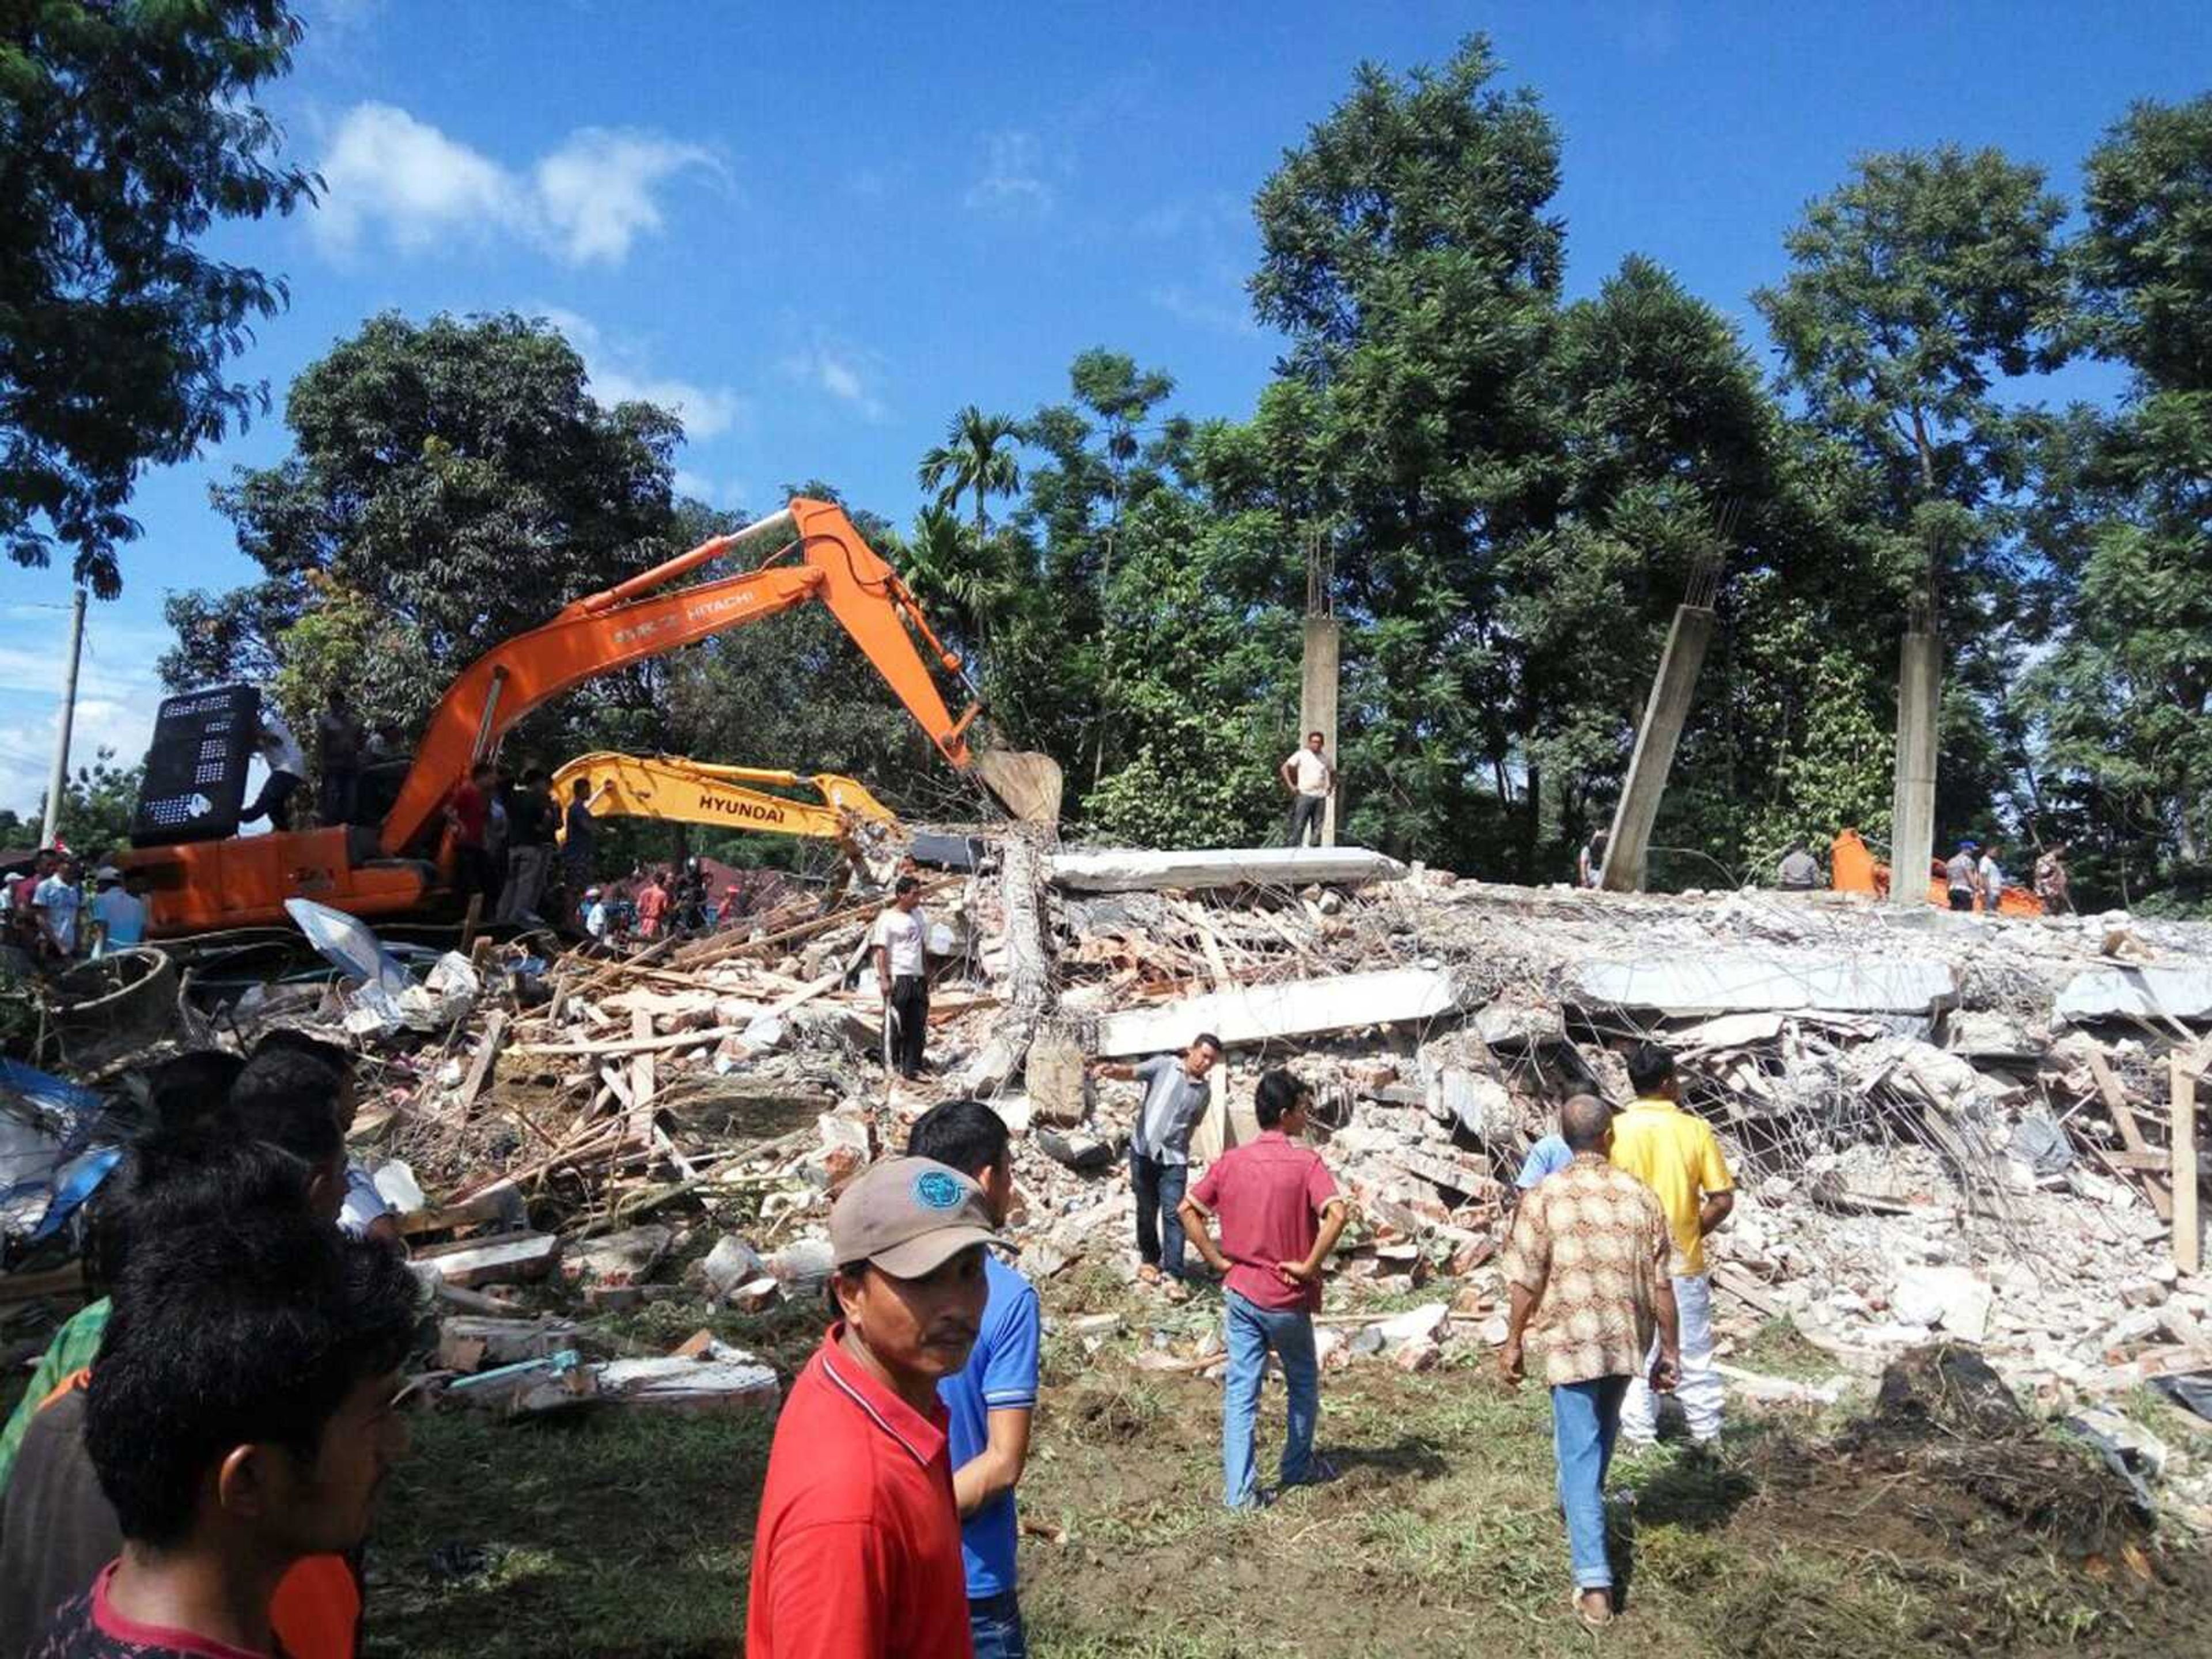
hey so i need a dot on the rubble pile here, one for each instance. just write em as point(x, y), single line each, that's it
point(1945, 1127)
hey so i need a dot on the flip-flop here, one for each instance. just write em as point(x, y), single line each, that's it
point(1148, 1275)
point(1575, 1600)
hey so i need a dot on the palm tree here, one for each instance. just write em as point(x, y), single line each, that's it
point(970, 459)
point(942, 562)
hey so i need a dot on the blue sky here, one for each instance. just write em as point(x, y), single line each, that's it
point(821, 228)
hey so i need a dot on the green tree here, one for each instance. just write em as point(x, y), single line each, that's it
point(97, 802)
point(970, 460)
point(451, 484)
point(2123, 705)
point(126, 132)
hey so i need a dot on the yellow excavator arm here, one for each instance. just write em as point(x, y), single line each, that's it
point(681, 791)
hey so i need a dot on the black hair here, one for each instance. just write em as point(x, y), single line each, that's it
point(1318, 732)
point(1583, 1120)
point(187, 1086)
point(285, 1037)
point(962, 1134)
point(1278, 1096)
point(1649, 1066)
point(288, 1097)
point(1210, 1040)
point(481, 768)
point(171, 1176)
point(251, 1326)
point(1598, 839)
point(580, 786)
point(905, 884)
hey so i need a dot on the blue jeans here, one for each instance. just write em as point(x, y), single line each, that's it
point(995, 1623)
point(1585, 1422)
point(1159, 1189)
point(1252, 1332)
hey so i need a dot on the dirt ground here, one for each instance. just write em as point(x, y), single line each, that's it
point(629, 1534)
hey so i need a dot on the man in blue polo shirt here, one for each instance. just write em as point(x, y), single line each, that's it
point(991, 1399)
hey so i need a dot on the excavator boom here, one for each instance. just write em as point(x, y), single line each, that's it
point(680, 790)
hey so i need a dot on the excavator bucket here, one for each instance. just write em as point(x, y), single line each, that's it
point(1026, 783)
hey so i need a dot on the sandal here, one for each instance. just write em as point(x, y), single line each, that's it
point(1575, 1600)
point(1148, 1275)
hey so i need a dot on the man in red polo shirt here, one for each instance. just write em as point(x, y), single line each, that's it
point(1280, 1214)
point(857, 1554)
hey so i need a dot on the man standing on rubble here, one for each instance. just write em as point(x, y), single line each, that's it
point(1311, 781)
point(1990, 877)
point(1587, 1267)
point(1800, 871)
point(857, 1552)
point(1960, 878)
point(993, 1399)
point(1676, 1154)
point(2051, 881)
point(902, 974)
point(1175, 1094)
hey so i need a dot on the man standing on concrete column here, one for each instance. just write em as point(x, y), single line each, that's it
point(1678, 1157)
point(1311, 779)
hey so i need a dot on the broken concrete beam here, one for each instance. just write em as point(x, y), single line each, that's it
point(1259, 1013)
point(467, 1341)
point(628, 1257)
point(1132, 869)
point(490, 1260)
point(717, 1380)
point(2183, 993)
point(1738, 981)
point(1059, 1082)
point(1029, 970)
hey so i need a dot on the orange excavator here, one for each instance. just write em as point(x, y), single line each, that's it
point(199, 875)
point(1853, 868)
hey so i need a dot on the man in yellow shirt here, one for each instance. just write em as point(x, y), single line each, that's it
point(1676, 1154)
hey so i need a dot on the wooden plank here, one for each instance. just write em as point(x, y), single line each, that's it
point(483, 1261)
point(2116, 1103)
point(1746, 1289)
point(633, 1044)
point(641, 1078)
point(487, 1056)
point(2187, 1245)
point(2151, 1190)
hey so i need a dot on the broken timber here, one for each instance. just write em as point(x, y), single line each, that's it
point(1301, 1007)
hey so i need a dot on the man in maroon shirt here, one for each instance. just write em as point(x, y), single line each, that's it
point(857, 1553)
point(469, 813)
point(1280, 1215)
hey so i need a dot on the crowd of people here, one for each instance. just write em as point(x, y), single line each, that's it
point(47, 914)
point(193, 1467)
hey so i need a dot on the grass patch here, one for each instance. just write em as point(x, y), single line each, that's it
point(1778, 1348)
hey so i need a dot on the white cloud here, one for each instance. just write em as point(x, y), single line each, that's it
point(597, 189)
point(715, 492)
point(1012, 181)
point(588, 201)
point(1207, 308)
point(840, 370)
point(117, 695)
point(618, 374)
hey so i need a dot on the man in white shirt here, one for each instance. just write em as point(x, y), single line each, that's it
point(902, 975)
point(1311, 779)
point(288, 771)
point(1992, 879)
point(56, 902)
point(118, 916)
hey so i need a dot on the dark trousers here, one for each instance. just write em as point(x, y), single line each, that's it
point(910, 1002)
point(995, 1623)
point(1159, 1189)
point(274, 802)
point(1307, 811)
point(474, 871)
point(1962, 898)
point(341, 794)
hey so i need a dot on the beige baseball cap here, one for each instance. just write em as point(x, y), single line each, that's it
point(908, 1216)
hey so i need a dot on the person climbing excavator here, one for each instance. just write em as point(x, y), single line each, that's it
point(199, 873)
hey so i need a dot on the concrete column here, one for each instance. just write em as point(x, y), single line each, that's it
point(1664, 713)
point(1912, 804)
point(1317, 704)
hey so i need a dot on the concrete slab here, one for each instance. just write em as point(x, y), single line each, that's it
point(1296, 1008)
point(1135, 870)
point(2118, 993)
point(1738, 982)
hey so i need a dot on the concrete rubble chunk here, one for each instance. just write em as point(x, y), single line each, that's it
point(2137, 992)
point(1957, 1298)
point(1299, 1007)
point(715, 1379)
point(1743, 981)
point(1058, 1084)
point(1420, 1324)
point(1135, 870)
point(623, 1258)
point(1085, 1154)
point(731, 1263)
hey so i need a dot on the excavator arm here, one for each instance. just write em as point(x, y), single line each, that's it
point(827, 561)
point(677, 790)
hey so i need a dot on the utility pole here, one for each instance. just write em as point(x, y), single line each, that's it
point(1318, 676)
point(58, 779)
point(1912, 801)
